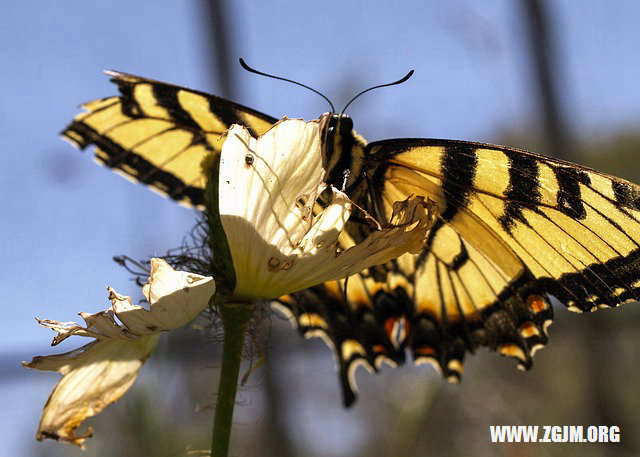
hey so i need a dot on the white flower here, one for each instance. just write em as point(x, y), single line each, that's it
point(280, 239)
point(100, 372)
point(279, 246)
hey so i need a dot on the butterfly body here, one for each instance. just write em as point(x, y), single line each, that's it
point(513, 228)
point(343, 151)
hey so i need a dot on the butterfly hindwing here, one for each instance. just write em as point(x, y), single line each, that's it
point(161, 135)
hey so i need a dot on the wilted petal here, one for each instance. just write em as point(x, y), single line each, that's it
point(406, 233)
point(94, 376)
point(279, 246)
point(100, 372)
point(175, 297)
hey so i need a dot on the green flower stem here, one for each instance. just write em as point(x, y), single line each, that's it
point(235, 318)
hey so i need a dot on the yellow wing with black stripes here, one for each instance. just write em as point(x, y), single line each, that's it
point(573, 229)
point(161, 135)
point(514, 228)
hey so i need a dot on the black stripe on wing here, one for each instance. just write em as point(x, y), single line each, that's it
point(145, 172)
point(458, 170)
point(167, 96)
point(523, 190)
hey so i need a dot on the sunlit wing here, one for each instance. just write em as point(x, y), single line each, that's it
point(161, 135)
point(514, 228)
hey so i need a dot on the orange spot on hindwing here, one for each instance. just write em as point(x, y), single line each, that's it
point(397, 329)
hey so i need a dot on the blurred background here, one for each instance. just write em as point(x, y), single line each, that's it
point(559, 78)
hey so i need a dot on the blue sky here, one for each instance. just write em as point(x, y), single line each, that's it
point(64, 217)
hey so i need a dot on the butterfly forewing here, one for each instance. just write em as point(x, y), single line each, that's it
point(161, 135)
point(567, 224)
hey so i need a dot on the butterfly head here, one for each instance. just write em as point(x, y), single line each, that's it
point(343, 151)
point(339, 124)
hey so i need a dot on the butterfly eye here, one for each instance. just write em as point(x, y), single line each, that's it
point(346, 125)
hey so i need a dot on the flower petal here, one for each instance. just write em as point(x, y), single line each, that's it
point(260, 184)
point(100, 372)
point(175, 297)
point(406, 233)
point(277, 244)
point(94, 376)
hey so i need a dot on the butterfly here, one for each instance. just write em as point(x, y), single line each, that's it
point(513, 228)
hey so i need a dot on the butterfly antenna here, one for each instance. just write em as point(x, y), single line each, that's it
point(261, 73)
point(400, 81)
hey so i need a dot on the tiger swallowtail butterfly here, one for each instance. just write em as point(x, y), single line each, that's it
point(513, 228)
